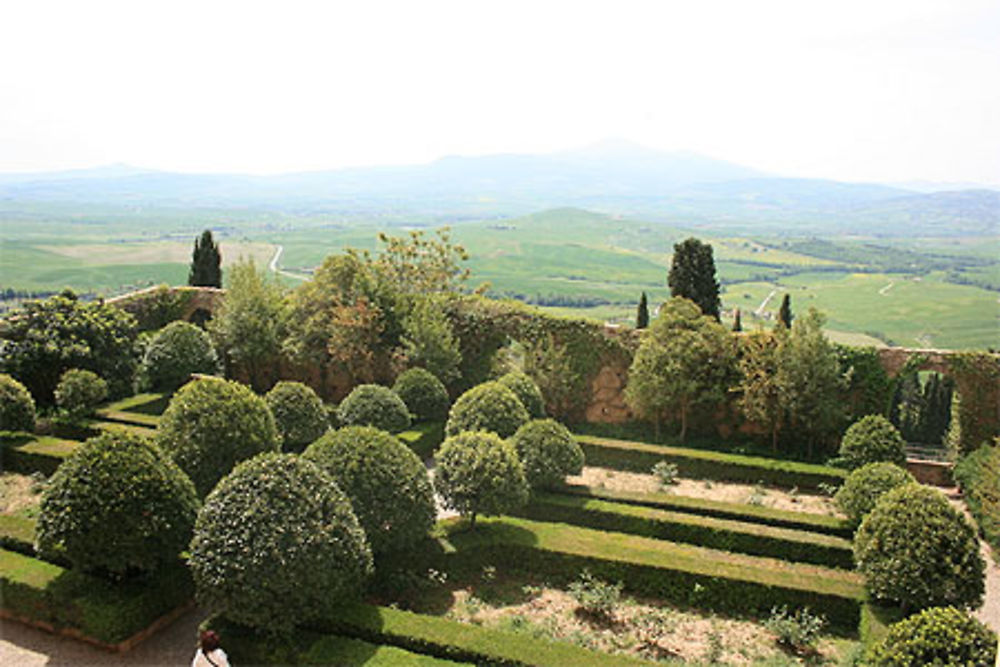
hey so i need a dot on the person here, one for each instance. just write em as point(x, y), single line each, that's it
point(209, 654)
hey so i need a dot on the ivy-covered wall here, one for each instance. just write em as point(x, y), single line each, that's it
point(156, 307)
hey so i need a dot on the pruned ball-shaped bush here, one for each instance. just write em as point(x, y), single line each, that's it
point(118, 505)
point(864, 486)
point(548, 452)
point(916, 549)
point(489, 406)
point(175, 352)
point(298, 413)
point(526, 391)
point(872, 439)
point(386, 482)
point(212, 424)
point(277, 545)
point(374, 405)
point(423, 393)
point(17, 407)
point(79, 392)
point(938, 636)
point(478, 473)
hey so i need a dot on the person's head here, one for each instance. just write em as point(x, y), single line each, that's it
point(209, 641)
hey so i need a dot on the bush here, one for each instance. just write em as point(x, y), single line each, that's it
point(211, 425)
point(277, 545)
point(914, 548)
point(298, 414)
point(487, 407)
point(526, 391)
point(864, 486)
point(385, 481)
point(666, 472)
point(937, 636)
point(978, 474)
point(17, 407)
point(872, 439)
point(548, 452)
point(596, 597)
point(478, 473)
point(799, 631)
point(79, 392)
point(117, 505)
point(374, 405)
point(424, 394)
point(175, 352)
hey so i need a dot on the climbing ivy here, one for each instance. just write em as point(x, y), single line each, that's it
point(870, 389)
point(975, 414)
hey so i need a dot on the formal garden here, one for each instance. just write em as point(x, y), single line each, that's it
point(383, 467)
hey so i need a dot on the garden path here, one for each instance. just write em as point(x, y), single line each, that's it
point(989, 613)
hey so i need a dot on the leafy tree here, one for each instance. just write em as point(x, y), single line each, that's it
point(642, 314)
point(206, 262)
point(526, 391)
point(428, 339)
point(424, 394)
point(478, 473)
point(872, 439)
point(175, 352)
point(374, 405)
point(785, 311)
point(692, 276)
point(489, 406)
point(759, 393)
point(864, 486)
point(548, 452)
point(79, 392)
point(298, 414)
point(942, 636)
point(17, 408)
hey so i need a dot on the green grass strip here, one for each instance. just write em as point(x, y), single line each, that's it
point(423, 438)
point(27, 453)
point(129, 418)
point(336, 650)
point(150, 403)
point(17, 533)
point(116, 427)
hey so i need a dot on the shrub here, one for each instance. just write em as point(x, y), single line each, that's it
point(864, 486)
point(799, 631)
point(211, 425)
point(175, 352)
point(277, 545)
point(666, 472)
point(978, 474)
point(916, 549)
point(385, 481)
point(17, 407)
point(548, 452)
point(478, 473)
point(79, 392)
point(487, 407)
point(374, 405)
point(117, 505)
point(298, 414)
point(937, 636)
point(425, 396)
point(596, 597)
point(526, 391)
point(872, 439)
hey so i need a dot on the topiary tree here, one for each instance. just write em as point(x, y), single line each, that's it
point(914, 548)
point(423, 393)
point(386, 482)
point(79, 392)
point(478, 473)
point(17, 407)
point(175, 352)
point(211, 425)
point(864, 486)
point(548, 452)
point(206, 262)
point(938, 636)
point(872, 439)
point(489, 406)
point(117, 505)
point(277, 545)
point(298, 413)
point(526, 391)
point(374, 405)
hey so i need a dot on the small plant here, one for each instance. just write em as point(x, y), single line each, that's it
point(596, 597)
point(793, 495)
point(666, 473)
point(438, 577)
point(798, 631)
point(828, 489)
point(713, 655)
point(489, 573)
point(757, 495)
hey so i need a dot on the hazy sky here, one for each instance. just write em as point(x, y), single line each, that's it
point(869, 90)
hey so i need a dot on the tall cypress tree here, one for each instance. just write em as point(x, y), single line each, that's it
point(785, 312)
point(692, 275)
point(737, 323)
point(206, 262)
point(642, 316)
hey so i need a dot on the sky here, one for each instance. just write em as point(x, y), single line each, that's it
point(872, 90)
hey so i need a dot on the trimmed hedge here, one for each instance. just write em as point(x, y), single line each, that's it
point(702, 464)
point(374, 405)
point(423, 438)
point(978, 474)
point(26, 453)
point(423, 393)
point(936, 636)
point(17, 533)
point(149, 403)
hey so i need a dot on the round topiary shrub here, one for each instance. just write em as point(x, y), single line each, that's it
point(548, 452)
point(386, 482)
point(526, 391)
point(915, 549)
point(939, 636)
point(489, 406)
point(423, 393)
point(175, 352)
point(864, 486)
point(374, 405)
point(298, 413)
point(211, 425)
point(478, 473)
point(117, 505)
point(79, 392)
point(17, 407)
point(872, 439)
point(277, 545)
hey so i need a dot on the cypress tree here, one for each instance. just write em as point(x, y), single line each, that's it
point(206, 269)
point(642, 316)
point(737, 323)
point(785, 312)
point(692, 275)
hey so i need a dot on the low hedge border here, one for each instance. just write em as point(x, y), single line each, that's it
point(26, 453)
point(423, 438)
point(701, 464)
point(150, 403)
point(105, 426)
point(129, 418)
point(17, 533)
point(723, 534)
